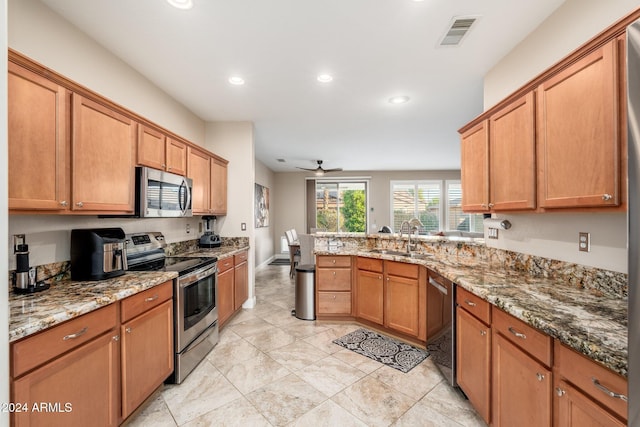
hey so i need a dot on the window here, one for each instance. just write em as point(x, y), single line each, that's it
point(341, 206)
point(437, 204)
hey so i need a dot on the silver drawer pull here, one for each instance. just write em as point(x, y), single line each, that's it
point(76, 335)
point(539, 376)
point(560, 392)
point(153, 298)
point(607, 197)
point(470, 303)
point(128, 330)
point(517, 334)
point(483, 332)
point(608, 392)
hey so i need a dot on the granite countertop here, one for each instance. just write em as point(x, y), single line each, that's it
point(221, 253)
point(68, 299)
point(585, 320)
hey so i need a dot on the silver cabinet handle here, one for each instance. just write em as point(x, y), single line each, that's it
point(560, 392)
point(334, 273)
point(517, 334)
point(608, 392)
point(333, 261)
point(483, 332)
point(128, 330)
point(539, 376)
point(116, 337)
point(76, 335)
point(491, 205)
point(64, 203)
point(79, 204)
point(380, 277)
point(470, 303)
point(153, 298)
point(484, 205)
point(334, 297)
point(607, 197)
point(164, 166)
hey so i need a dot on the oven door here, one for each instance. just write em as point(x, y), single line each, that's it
point(163, 194)
point(196, 305)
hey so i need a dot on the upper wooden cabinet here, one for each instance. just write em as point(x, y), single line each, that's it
point(199, 170)
point(102, 155)
point(161, 152)
point(218, 196)
point(38, 142)
point(474, 147)
point(579, 144)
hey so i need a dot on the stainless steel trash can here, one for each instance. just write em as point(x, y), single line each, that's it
point(305, 292)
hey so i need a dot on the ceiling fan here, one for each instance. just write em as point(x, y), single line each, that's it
point(319, 171)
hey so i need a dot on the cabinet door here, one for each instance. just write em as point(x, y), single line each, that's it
point(151, 148)
point(578, 139)
point(512, 158)
point(370, 296)
point(38, 142)
point(574, 409)
point(521, 389)
point(82, 386)
point(226, 295)
point(218, 187)
point(241, 285)
point(402, 305)
point(474, 147)
point(147, 355)
point(102, 155)
point(176, 157)
point(435, 311)
point(198, 169)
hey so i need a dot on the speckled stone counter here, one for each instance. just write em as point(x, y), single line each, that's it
point(221, 252)
point(68, 299)
point(584, 319)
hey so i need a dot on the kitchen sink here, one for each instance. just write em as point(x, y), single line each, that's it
point(415, 255)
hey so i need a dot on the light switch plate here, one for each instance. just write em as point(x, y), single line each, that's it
point(492, 233)
point(584, 242)
point(243, 226)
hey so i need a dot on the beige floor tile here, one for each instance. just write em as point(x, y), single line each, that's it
point(281, 317)
point(373, 402)
point(225, 354)
point(452, 404)
point(270, 339)
point(297, 355)
point(227, 336)
point(304, 328)
point(415, 383)
point(250, 326)
point(285, 400)
point(330, 375)
point(204, 390)
point(358, 361)
point(328, 414)
point(423, 416)
point(249, 375)
point(324, 341)
point(241, 316)
point(239, 413)
point(155, 414)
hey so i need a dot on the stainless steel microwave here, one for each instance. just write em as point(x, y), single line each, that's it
point(162, 194)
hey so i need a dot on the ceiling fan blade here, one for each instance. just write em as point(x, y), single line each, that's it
point(306, 169)
point(333, 170)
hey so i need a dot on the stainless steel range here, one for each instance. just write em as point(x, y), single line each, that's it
point(194, 298)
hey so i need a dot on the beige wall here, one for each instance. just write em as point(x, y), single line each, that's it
point(556, 235)
point(265, 236)
point(4, 199)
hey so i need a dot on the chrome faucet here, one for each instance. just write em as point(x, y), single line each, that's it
point(412, 226)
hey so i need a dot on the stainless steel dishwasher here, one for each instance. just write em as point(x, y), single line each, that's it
point(441, 325)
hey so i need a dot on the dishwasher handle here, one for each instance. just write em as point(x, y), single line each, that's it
point(438, 286)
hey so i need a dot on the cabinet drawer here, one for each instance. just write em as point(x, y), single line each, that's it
point(591, 378)
point(34, 351)
point(536, 343)
point(240, 258)
point(474, 304)
point(369, 264)
point(333, 261)
point(225, 264)
point(333, 279)
point(402, 269)
point(334, 303)
point(145, 300)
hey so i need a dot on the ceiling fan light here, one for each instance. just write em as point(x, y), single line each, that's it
point(319, 172)
point(181, 4)
point(396, 100)
point(325, 78)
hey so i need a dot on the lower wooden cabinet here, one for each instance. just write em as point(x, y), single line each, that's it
point(333, 286)
point(370, 291)
point(241, 280)
point(233, 285)
point(574, 409)
point(147, 355)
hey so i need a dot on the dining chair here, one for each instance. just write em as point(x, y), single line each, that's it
point(294, 251)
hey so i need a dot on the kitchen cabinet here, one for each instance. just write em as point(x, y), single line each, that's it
point(404, 299)
point(102, 158)
point(161, 152)
point(226, 291)
point(147, 344)
point(38, 142)
point(585, 392)
point(333, 286)
point(199, 169)
point(578, 138)
point(473, 351)
point(241, 279)
point(218, 205)
point(474, 147)
point(370, 290)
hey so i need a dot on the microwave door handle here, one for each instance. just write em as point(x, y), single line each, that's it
point(180, 193)
point(187, 197)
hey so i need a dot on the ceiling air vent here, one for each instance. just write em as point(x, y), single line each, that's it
point(460, 26)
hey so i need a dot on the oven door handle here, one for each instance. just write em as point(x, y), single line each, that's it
point(438, 286)
point(184, 281)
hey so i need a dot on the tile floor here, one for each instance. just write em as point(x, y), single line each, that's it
point(272, 369)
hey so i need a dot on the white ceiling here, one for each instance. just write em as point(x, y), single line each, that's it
point(375, 49)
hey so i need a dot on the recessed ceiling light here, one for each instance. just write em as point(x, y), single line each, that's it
point(399, 99)
point(181, 4)
point(324, 78)
point(235, 80)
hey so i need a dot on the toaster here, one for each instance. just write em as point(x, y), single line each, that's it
point(98, 253)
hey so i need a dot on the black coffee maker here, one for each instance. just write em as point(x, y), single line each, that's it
point(209, 239)
point(98, 253)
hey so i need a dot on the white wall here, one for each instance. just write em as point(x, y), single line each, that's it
point(556, 235)
point(4, 199)
point(234, 142)
point(265, 244)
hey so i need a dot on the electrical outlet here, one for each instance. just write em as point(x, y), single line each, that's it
point(584, 242)
point(188, 228)
point(243, 226)
point(492, 233)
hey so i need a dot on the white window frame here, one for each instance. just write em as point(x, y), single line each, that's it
point(417, 183)
point(367, 184)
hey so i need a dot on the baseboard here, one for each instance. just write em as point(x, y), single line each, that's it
point(250, 303)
